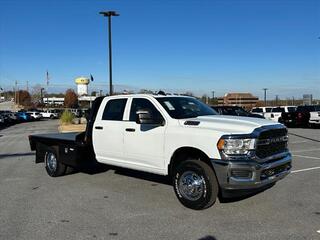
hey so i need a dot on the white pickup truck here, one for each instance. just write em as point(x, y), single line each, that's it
point(275, 113)
point(52, 114)
point(204, 153)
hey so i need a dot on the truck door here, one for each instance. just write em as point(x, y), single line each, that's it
point(144, 143)
point(108, 131)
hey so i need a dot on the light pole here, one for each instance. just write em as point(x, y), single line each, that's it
point(265, 96)
point(110, 14)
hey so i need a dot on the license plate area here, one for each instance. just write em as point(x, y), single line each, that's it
point(270, 172)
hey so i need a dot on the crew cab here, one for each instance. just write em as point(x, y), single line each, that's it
point(203, 153)
point(308, 115)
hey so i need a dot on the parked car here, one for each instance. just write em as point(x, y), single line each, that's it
point(204, 154)
point(7, 117)
point(275, 113)
point(299, 118)
point(52, 114)
point(76, 112)
point(24, 117)
point(261, 110)
point(1, 120)
point(314, 115)
point(35, 115)
point(12, 116)
point(234, 111)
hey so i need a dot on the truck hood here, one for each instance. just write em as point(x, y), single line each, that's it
point(228, 124)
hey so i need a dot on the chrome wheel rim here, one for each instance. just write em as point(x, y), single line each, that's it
point(51, 161)
point(191, 185)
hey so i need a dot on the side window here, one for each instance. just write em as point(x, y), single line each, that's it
point(114, 110)
point(142, 103)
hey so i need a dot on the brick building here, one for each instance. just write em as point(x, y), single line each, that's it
point(246, 100)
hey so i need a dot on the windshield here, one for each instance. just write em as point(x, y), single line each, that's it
point(185, 107)
point(257, 110)
point(240, 111)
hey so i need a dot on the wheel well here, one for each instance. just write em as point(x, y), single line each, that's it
point(185, 153)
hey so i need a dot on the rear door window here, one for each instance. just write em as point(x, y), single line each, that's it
point(114, 109)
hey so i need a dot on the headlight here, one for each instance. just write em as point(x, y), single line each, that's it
point(236, 146)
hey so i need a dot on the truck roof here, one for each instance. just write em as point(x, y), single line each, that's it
point(148, 95)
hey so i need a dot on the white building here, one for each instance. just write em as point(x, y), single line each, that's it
point(60, 101)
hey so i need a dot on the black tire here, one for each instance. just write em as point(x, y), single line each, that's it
point(53, 167)
point(51, 117)
point(207, 190)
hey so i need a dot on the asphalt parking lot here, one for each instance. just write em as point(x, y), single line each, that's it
point(128, 205)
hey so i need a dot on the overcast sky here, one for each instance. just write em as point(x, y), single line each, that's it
point(201, 46)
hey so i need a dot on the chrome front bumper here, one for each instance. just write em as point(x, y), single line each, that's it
point(247, 174)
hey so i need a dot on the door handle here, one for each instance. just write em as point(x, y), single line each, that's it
point(98, 127)
point(130, 130)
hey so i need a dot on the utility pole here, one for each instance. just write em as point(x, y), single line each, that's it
point(292, 100)
point(27, 86)
point(41, 95)
point(15, 92)
point(212, 97)
point(277, 99)
point(265, 96)
point(110, 14)
point(47, 81)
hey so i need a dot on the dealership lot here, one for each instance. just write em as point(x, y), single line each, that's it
point(122, 204)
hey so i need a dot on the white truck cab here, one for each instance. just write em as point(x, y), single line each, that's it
point(148, 133)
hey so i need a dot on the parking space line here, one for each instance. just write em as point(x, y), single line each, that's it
point(297, 142)
point(304, 170)
point(311, 139)
point(305, 156)
point(306, 150)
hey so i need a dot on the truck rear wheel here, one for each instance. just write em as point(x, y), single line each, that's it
point(195, 184)
point(54, 168)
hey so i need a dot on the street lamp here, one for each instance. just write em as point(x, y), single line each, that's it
point(110, 14)
point(265, 96)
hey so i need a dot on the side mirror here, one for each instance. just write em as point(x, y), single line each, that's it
point(144, 116)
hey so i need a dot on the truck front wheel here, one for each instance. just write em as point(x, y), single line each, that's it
point(195, 184)
point(54, 168)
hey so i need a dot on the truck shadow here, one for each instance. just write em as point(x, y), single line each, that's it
point(144, 176)
point(225, 197)
point(208, 238)
point(9, 155)
point(96, 168)
point(236, 196)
